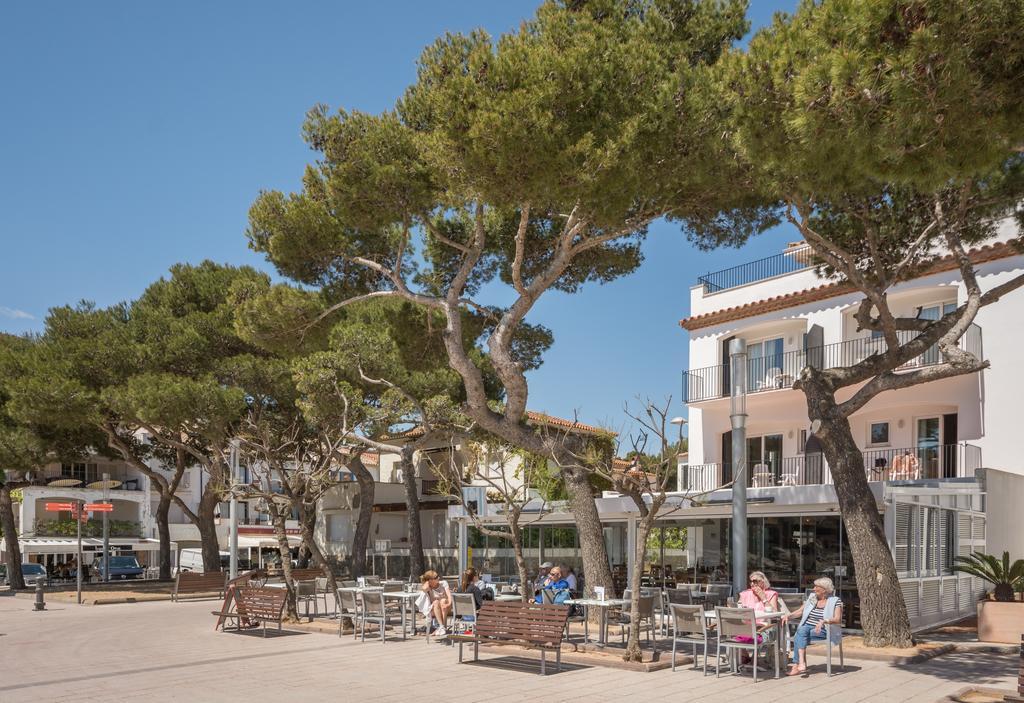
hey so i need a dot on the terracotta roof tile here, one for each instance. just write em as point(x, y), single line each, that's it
point(989, 252)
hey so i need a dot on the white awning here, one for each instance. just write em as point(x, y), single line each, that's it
point(252, 542)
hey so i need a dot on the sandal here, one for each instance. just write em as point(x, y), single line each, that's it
point(796, 670)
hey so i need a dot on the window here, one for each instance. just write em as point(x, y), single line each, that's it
point(878, 433)
point(801, 441)
point(86, 473)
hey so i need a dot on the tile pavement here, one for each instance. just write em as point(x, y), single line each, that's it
point(169, 652)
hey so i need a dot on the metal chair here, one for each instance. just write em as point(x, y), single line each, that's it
point(349, 584)
point(322, 589)
point(646, 612)
point(374, 612)
point(679, 596)
point(719, 593)
point(305, 592)
point(371, 580)
point(348, 609)
point(689, 626)
point(740, 622)
point(828, 638)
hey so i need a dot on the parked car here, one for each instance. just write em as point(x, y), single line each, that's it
point(192, 560)
point(31, 572)
point(121, 567)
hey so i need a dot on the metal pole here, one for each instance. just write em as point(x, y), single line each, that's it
point(233, 514)
point(106, 531)
point(738, 417)
point(78, 570)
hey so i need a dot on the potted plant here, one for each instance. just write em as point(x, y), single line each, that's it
point(1002, 619)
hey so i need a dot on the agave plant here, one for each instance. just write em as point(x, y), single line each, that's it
point(1006, 577)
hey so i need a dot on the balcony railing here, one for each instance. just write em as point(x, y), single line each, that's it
point(905, 464)
point(779, 371)
point(789, 261)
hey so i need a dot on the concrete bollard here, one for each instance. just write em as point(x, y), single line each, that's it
point(40, 603)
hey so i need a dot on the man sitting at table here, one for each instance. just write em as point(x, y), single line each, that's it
point(554, 582)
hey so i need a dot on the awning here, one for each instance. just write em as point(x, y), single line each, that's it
point(253, 542)
point(69, 545)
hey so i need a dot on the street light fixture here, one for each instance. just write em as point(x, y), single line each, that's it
point(233, 512)
point(738, 418)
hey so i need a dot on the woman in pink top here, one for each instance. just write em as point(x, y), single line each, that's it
point(761, 598)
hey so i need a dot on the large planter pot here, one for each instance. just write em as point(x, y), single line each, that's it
point(1000, 622)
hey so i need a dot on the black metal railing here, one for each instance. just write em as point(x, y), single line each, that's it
point(779, 371)
point(789, 261)
point(940, 461)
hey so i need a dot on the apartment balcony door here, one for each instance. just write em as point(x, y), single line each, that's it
point(764, 455)
point(764, 363)
point(928, 443)
point(934, 312)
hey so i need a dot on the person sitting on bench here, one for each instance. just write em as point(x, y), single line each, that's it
point(438, 601)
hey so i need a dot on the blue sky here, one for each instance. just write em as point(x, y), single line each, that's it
point(136, 135)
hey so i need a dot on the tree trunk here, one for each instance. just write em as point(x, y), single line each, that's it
point(596, 569)
point(517, 550)
point(163, 531)
point(208, 528)
point(308, 528)
point(305, 553)
point(362, 534)
point(883, 613)
point(417, 564)
point(12, 553)
point(643, 531)
point(278, 515)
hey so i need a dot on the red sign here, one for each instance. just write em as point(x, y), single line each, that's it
point(58, 507)
point(100, 507)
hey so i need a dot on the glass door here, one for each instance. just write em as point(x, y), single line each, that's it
point(764, 460)
point(764, 362)
point(929, 439)
point(934, 312)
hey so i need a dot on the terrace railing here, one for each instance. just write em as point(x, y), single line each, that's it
point(789, 261)
point(779, 371)
point(905, 464)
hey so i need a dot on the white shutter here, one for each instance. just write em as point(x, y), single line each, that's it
point(909, 589)
point(929, 597)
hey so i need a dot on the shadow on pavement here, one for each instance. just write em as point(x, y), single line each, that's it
point(524, 664)
point(978, 668)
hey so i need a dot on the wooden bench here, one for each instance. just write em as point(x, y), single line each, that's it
point(190, 583)
point(227, 608)
point(526, 624)
point(260, 605)
point(307, 574)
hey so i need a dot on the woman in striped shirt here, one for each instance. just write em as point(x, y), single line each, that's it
point(822, 608)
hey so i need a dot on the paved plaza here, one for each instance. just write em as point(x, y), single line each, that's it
point(169, 652)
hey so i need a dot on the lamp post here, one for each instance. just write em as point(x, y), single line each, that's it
point(738, 418)
point(233, 513)
point(106, 530)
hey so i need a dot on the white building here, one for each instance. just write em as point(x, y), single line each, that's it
point(931, 452)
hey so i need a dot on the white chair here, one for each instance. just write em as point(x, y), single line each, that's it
point(645, 614)
point(740, 622)
point(306, 592)
point(463, 606)
point(689, 626)
point(322, 589)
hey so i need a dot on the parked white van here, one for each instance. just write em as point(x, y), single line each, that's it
point(192, 560)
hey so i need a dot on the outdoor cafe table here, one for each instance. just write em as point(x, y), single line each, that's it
point(589, 603)
point(403, 597)
point(779, 629)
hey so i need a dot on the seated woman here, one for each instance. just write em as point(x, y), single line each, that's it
point(761, 599)
point(437, 601)
point(822, 608)
point(554, 582)
point(471, 583)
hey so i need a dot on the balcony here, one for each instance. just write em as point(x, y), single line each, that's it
point(779, 371)
point(906, 464)
point(793, 259)
point(93, 478)
point(90, 528)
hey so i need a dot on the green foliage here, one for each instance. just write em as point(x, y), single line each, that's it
point(1006, 577)
point(674, 538)
point(90, 528)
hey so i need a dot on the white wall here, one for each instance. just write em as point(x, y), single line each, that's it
point(1004, 498)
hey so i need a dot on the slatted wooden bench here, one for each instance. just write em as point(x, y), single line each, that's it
point(525, 624)
point(259, 605)
point(190, 583)
point(306, 574)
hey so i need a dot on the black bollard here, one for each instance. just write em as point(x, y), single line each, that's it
point(40, 603)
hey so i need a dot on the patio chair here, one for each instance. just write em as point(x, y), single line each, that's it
point(646, 614)
point(371, 580)
point(373, 612)
point(348, 609)
point(689, 626)
point(828, 638)
point(740, 622)
point(306, 592)
point(719, 593)
point(660, 609)
point(349, 584)
point(323, 588)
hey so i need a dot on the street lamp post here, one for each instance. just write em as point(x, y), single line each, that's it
point(233, 513)
point(106, 530)
point(738, 417)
